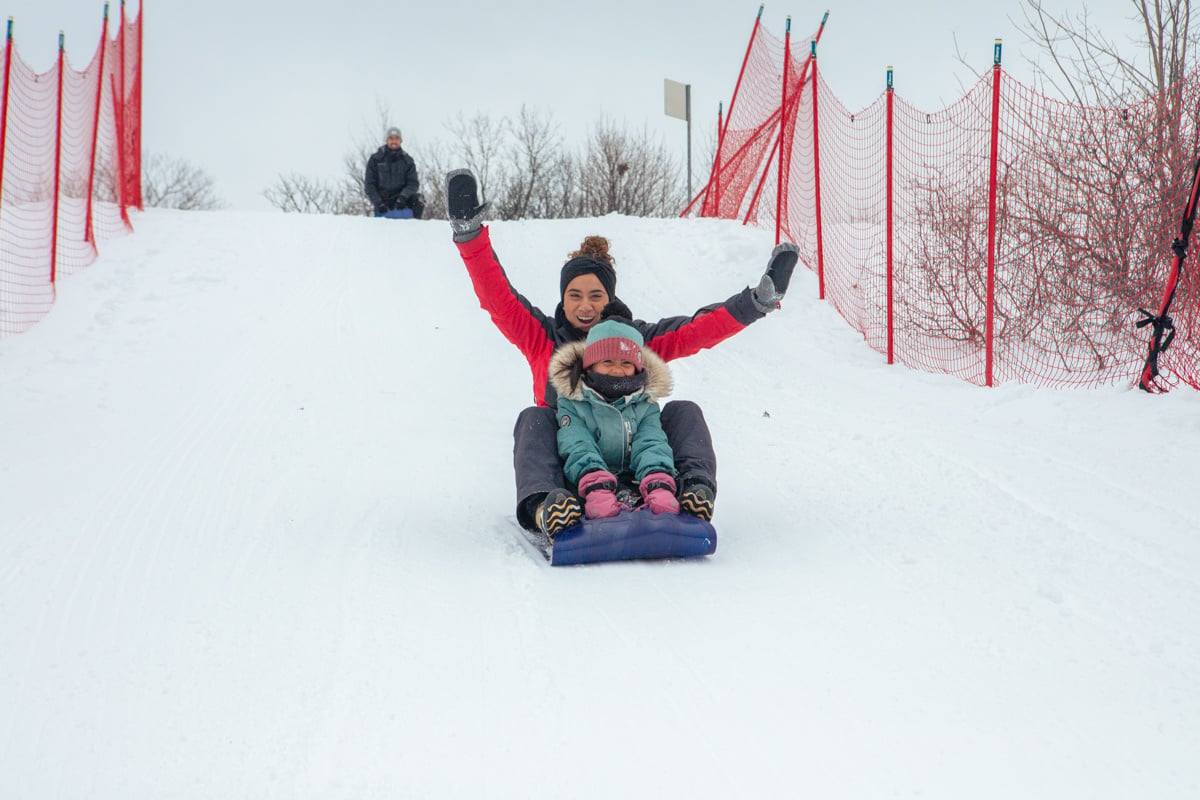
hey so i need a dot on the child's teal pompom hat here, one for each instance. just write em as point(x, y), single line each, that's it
point(611, 340)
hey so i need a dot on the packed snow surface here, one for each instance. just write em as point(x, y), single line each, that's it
point(256, 540)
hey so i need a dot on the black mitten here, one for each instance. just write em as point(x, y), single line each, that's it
point(463, 206)
point(616, 308)
point(775, 280)
point(783, 261)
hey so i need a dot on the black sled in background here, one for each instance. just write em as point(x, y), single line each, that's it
point(628, 536)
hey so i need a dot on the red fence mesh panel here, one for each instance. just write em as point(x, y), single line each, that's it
point(75, 250)
point(109, 217)
point(940, 221)
point(27, 199)
point(751, 131)
point(1087, 202)
point(94, 163)
point(131, 152)
point(852, 230)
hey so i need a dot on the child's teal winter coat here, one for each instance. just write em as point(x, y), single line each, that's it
point(624, 436)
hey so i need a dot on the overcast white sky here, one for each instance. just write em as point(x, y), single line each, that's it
point(252, 89)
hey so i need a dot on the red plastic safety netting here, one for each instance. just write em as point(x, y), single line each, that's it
point(70, 167)
point(1008, 237)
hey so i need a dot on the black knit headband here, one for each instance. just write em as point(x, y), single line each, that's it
point(583, 265)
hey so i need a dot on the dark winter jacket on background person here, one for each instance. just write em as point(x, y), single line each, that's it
point(623, 436)
point(391, 179)
point(537, 334)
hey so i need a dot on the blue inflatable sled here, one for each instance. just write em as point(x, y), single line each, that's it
point(629, 535)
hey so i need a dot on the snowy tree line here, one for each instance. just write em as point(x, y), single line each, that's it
point(527, 172)
point(523, 165)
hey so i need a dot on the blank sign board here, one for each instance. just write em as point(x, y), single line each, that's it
point(675, 97)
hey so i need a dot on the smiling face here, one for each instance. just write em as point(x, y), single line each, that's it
point(614, 368)
point(583, 301)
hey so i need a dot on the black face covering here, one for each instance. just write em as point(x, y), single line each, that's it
point(615, 387)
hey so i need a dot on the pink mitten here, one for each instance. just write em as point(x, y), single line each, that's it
point(598, 489)
point(658, 490)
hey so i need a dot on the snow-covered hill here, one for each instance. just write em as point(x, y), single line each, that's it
point(255, 482)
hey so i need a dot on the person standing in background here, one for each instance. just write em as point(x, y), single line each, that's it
point(391, 182)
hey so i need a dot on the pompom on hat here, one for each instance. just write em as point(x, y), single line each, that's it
point(611, 340)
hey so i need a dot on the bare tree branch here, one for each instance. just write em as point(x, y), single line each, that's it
point(299, 194)
point(174, 183)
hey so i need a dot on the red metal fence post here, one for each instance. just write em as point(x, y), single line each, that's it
point(817, 178)
point(751, 209)
point(787, 60)
point(8, 46)
point(137, 134)
point(62, 65)
point(122, 123)
point(991, 254)
point(738, 84)
point(890, 169)
point(771, 153)
point(90, 235)
point(119, 168)
point(716, 173)
point(721, 130)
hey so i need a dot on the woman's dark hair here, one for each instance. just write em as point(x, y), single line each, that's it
point(595, 247)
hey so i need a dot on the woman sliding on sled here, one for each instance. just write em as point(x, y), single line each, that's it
point(587, 283)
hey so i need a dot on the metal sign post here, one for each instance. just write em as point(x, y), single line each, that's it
point(677, 103)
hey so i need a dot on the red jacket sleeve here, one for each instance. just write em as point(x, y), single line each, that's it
point(677, 337)
point(522, 323)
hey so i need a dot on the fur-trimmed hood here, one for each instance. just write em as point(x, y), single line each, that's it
point(566, 372)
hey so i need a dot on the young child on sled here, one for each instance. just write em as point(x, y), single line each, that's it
point(609, 433)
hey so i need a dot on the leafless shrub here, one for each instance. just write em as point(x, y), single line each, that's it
point(531, 155)
point(174, 183)
point(628, 174)
point(435, 163)
point(104, 187)
point(297, 193)
point(479, 143)
point(946, 295)
point(1148, 150)
point(1082, 232)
